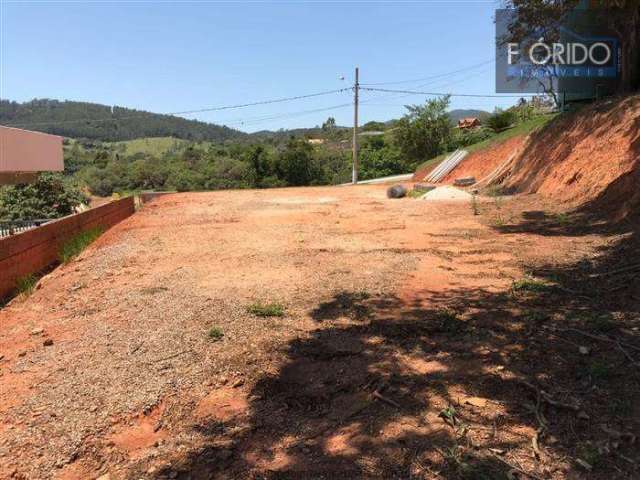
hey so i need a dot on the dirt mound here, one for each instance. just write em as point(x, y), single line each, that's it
point(588, 157)
point(447, 193)
point(481, 163)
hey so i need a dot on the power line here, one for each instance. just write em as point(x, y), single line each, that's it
point(184, 112)
point(394, 96)
point(412, 92)
point(471, 67)
point(256, 120)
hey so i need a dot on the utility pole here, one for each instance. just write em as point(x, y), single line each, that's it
point(356, 86)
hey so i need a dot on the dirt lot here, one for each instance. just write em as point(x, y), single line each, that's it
point(419, 340)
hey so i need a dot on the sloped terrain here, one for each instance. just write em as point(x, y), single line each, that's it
point(482, 162)
point(592, 155)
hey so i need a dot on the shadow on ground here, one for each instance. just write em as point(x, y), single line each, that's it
point(455, 386)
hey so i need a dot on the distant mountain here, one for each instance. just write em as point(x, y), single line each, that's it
point(456, 115)
point(102, 122)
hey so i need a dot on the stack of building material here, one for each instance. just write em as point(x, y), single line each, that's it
point(446, 166)
point(464, 181)
point(424, 187)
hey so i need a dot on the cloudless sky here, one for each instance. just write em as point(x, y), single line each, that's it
point(167, 57)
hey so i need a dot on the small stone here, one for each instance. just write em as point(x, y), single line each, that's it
point(584, 350)
point(238, 383)
point(22, 353)
point(37, 331)
point(1, 356)
point(48, 342)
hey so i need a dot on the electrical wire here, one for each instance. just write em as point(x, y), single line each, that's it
point(471, 67)
point(439, 94)
point(184, 112)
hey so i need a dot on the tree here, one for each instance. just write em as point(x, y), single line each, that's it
point(295, 163)
point(501, 119)
point(50, 196)
point(622, 16)
point(424, 131)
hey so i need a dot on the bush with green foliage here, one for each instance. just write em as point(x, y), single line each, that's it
point(501, 119)
point(425, 131)
point(50, 196)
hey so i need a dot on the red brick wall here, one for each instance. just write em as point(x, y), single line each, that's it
point(34, 250)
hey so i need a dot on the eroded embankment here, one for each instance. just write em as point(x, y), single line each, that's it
point(587, 157)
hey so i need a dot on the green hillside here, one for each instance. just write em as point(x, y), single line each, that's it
point(157, 146)
point(101, 122)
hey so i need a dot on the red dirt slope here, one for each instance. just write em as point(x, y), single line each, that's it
point(592, 155)
point(481, 163)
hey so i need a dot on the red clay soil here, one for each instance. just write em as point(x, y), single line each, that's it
point(585, 156)
point(421, 173)
point(405, 351)
point(481, 163)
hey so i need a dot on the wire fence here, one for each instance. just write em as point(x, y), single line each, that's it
point(8, 228)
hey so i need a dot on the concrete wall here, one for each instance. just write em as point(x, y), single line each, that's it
point(25, 151)
point(34, 250)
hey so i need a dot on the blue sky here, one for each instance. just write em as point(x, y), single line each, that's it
point(167, 57)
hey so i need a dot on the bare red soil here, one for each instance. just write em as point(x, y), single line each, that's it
point(426, 340)
point(482, 162)
point(580, 156)
point(405, 350)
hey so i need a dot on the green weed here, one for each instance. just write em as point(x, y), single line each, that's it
point(266, 310)
point(215, 333)
point(26, 285)
point(73, 247)
point(529, 285)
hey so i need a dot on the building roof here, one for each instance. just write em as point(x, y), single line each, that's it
point(24, 151)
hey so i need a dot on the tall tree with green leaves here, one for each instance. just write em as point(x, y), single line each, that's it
point(425, 131)
point(622, 16)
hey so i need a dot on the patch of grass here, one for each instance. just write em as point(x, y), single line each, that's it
point(266, 309)
point(562, 218)
point(415, 193)
point(448, 415)
point(495, 191)
point(73, 247)
point(498, 221)
point(530, 285)
point(215, 333)
point(26, 285)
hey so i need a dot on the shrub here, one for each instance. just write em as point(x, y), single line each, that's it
point(50, 196)
point(501, 119)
